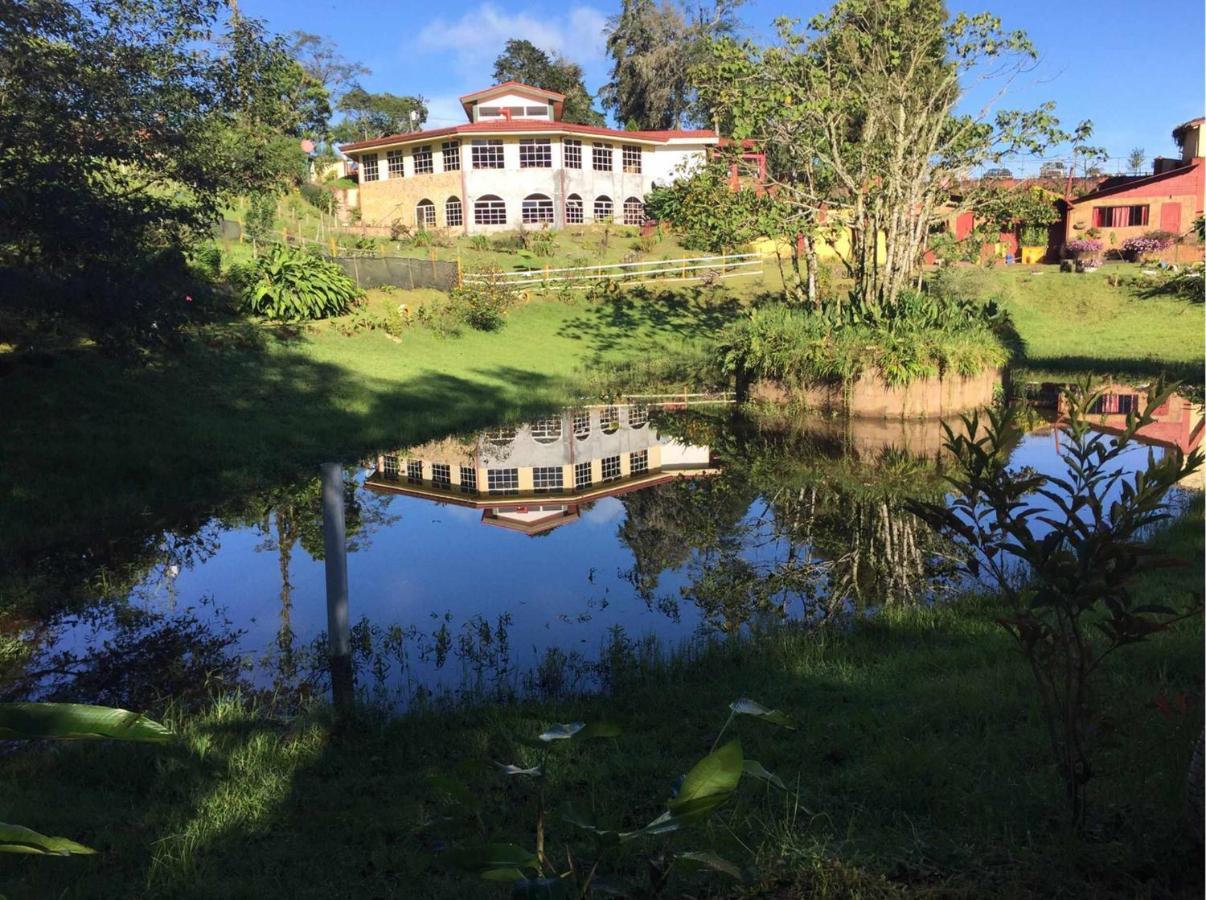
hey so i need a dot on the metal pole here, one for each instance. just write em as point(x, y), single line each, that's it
point(339, 635)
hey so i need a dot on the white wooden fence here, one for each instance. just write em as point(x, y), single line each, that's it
point(701, 268)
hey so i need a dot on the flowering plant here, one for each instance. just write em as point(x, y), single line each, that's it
point(1152, 242)
point(1083, 246)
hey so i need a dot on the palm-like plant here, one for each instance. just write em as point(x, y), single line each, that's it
point(292, 285)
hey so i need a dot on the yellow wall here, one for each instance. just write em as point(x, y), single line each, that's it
point(394, 199)
point(830, 250)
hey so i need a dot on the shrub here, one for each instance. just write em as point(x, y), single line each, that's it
point(1083, 247)
point(479, 242)
point(261, 213)
point(320, 197)
point(542, 243)
point(1152, 242)
point(289, 285)
point(483, 304)
point(1034, 236)
point(422, 238)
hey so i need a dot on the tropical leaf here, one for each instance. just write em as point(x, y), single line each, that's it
point(708, 860)
point(534, 771)
point(754, 769)
point(579, 731)
point(77, 721)
point(561, 732)
point(717, 774)
point(746, 707)
point(19, 839)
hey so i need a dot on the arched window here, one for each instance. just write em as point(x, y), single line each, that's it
point(425, 214)
point(638, 416)
point(634, 211)
point(604, 208)
point(573, 210)
point(581, 424)
point(489, 210)
point(537, 209)
point(453, 214)
point(547, 430)
point(609, 420)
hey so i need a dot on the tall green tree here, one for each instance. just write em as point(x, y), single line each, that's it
point(368, 115)
point(523, 61)
point(125, 125)
point(653, 48)
point(857, 113)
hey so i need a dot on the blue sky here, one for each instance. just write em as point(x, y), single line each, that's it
point(1134, 68)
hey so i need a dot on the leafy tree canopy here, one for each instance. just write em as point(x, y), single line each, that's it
point(523, 61)
point(374, 115)
point(320, 58)
point(125, 125)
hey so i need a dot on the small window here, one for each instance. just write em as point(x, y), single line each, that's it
point(487, 154)
point(638, 416)
point(500, 436)
point(468, 480)
point(1120, 216)
point(582, 477)
point(537, 112)
point(609, 420)
point(600, 157)
point(573, 153)
point(547, 430)
point(537, 209)
point(441, 475)
point(489, 210)
point(634, 211)
point(535, 153)
point(414, 472)
point(423, 165)
point(393, 163)
point(611, 468)
point(581, 424)
point(638, 462)
point(450, 153)
point(1115, 404)
point(453, 214)
point(515, 111)
point(389, 466)
point(425, 214)
point(503, 481)
point(546, 478)
point(631, 157)
point(603, 209)
point(489, 111)
point(369, 167)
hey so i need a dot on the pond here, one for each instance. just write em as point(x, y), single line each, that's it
point(542, 559)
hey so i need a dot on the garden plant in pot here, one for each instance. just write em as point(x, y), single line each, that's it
point(1085, 253)
point(1033, 241)
point(1145, 246)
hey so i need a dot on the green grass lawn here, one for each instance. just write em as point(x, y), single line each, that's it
point(1077, 324)
point(919, 768)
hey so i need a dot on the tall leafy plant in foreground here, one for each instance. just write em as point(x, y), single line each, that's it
point(67, 722)
point(540, 872)
point(292, 285)
point(1072, 607)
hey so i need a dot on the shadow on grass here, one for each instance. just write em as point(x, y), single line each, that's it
point(100, 457)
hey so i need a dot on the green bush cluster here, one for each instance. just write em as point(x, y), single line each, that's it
point(482, 305)
point(925, 337)
point(288, 284)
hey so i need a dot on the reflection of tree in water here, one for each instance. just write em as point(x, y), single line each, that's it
point(832, 513)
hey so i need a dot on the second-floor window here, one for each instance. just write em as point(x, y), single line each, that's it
point(451, 152)
point(393, 163)
point(631, 158)
point(535, 153)
point(487, 154)
point(423, 160)
point(369, 169)
point(600, 157)
point(573, 154)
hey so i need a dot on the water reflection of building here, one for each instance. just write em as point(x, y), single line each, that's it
point(534, 477)
point(1178, 421)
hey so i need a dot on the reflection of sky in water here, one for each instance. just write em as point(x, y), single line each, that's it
point(564, 589)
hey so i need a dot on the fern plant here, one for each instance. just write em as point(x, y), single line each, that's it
point(291, 285)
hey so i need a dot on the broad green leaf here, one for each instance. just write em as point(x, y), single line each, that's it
point(746, 707)
point(562, 732)
point(709, 860)
point(488, 860)
point(506, 769)
point(754, 769)
point(598, 730)
point(19, 839)
point(715, 774)
point(76, 721)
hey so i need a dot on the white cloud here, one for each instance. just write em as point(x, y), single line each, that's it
point(478, 36)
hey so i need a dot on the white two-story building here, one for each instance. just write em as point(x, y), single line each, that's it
point(516, 163)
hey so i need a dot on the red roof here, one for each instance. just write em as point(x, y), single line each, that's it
point(503, 126)
point(1137, 183)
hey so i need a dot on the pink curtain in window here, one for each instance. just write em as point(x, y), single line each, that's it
point(1122, 217)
